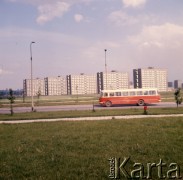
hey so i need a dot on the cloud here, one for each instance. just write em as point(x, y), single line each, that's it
point(163, 36)
point(121, 18)
point(42, 2)
point(50, 11)
point(133, 3)
point(78, 17)
point(4, 72)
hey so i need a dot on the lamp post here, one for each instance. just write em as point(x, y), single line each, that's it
point(105, 67)
point(32, 103)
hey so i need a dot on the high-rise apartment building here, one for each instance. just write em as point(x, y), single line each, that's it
point(112, 80)
point(177, 84)
point(38, 87)
point(81, 84)
point(170, 84)
point(93, 84)
point(150, 78)
point(55, 86)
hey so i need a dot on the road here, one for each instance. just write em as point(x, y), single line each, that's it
point(81, 107)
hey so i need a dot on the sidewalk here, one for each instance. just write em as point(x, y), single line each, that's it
point(90, 118)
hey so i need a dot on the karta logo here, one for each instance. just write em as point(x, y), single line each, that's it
point(118, 170)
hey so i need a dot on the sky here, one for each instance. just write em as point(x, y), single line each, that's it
point(70, 37)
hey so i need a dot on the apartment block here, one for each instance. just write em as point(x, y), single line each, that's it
point(55, 86)
point(38, 87)
point(150, 78)
point(112, 80)
point(177, 84)
point(81, 84)
point(170, 84)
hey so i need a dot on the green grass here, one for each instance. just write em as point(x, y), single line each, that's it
point(80, 150)
point(90, 113)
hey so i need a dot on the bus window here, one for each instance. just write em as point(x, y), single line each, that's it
point(132, 93)
point(145, 92)
point(111, 94)
point(125, 93)
point(139, 93)
point(118, 93)
point(105, 94)
point(152, 92)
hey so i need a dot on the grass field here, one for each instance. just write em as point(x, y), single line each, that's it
point(80, 150)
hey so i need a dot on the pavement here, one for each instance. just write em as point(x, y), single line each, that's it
point(90, 118)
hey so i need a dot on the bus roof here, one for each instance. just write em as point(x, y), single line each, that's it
point(122, 90)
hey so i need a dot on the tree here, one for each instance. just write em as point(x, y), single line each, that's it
point(11, 98)
point(178, 98)
point(38, 95)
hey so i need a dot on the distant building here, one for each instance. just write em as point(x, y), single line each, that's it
point(170, 84)
point(55, 86)
point(177, 84)
point(150, 78)
point(112, 80)
point(38, 87)
point(81, 84)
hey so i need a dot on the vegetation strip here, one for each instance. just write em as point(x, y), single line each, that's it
point(89, 113)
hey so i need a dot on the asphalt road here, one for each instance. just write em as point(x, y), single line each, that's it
point(81, 107)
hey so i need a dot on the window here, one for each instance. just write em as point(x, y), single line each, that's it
point(125, 93)
point(132, 93)
point(139, 93)
point(105, 94)
point(111, 94)
point(152, 92)
point(145, 92)
point(118, 93)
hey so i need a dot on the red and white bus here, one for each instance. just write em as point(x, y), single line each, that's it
point(129, 96)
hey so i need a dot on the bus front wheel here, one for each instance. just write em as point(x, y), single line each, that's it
point(141, 102)
point(108, 104)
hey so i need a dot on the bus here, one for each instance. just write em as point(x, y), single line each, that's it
point(138, 97)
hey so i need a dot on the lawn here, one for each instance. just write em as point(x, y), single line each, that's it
point(80, 150)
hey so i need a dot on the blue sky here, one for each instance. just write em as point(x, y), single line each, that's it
point(71, 36)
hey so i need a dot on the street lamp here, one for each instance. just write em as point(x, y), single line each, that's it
point(31, 78)
point(105, 67)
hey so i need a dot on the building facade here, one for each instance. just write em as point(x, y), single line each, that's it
point(81, 84)
point(55, 86)
point(150, 78)
point(93, 84)
point(112, 80)
point(177, 84)
point(38, 87)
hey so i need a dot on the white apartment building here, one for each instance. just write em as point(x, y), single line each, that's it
point(55, 86)
point(38, 87)
point(150, 78)
point(112, 80)
point(81, 84)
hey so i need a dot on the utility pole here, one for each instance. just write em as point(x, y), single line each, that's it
point(106, 67)
point(32, 103)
